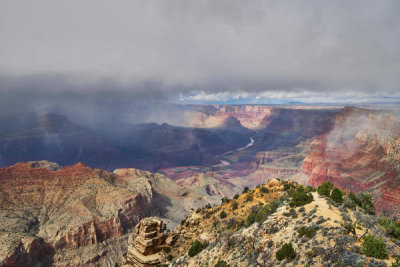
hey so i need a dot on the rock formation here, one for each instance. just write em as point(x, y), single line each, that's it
point(147, 241)
point(209, 184)
point(81, 216)
point(250, 116)
point(268, 156)
point(70, 216)
point(359, 153)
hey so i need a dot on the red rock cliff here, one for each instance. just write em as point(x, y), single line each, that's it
point(360, 153)
point(250, 116)
point(74, 208)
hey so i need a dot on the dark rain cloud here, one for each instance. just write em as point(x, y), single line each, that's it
point(163, 49)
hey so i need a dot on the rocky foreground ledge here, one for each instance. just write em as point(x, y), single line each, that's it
point(280, 223)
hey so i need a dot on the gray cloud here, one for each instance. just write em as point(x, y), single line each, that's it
point(167, 48)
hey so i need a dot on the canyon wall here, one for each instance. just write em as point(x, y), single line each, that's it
point(250, 116)
point(79, 216)
point(360, 153)
point(72, 215)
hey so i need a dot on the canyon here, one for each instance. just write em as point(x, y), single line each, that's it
point(148, 146)
point(356, 149)
point(80, 216)
point(72, 215)
point(84, 216)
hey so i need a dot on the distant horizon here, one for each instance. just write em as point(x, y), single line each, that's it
point(295, 103)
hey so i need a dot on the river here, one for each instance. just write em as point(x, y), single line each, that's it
point(248, 145)
point(237, 149)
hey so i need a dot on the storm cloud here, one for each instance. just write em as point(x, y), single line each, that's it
point(202, 50)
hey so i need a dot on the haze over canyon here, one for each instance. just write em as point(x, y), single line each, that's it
point(209, 133)
point(73, 213)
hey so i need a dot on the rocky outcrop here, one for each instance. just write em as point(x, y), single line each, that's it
point(268, 156)
point(25, 251)
point(50, 166)
point(251, 230)
point(209, 184)
point(147, 241)
point(327, 242)
point(79, 216)
point(67, 214)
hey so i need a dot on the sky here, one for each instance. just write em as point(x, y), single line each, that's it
point(256, 51)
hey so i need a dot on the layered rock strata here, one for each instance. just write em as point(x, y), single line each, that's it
point(75, 216)
point(250, 116)
point(360, 153)
point(147, 241)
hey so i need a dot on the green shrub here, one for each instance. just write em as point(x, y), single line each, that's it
point(396, 263)
point(166, 250)
point(286, 252)
point(274, 230)
point(183, 222)
point(366, 203)
point(223, 215)
point(309, 189)
point(234, 205)
point(198, 210)
point(349, 227)
point(354, 199)
point(299, 197)
point(307, 231)
point(225, 200)
point(392, 227)
point(251, 219)
point(264, 190)
point(292, 213)
point(260, 214)
point(236, 196)
point(196, 248)
point(245, 190)
point(267, 210)
point(286, 186)
point(325, 189)
point(248, 198)
point(337, 195)
point(240, 225)
point(221, 263)
point(374, 247)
